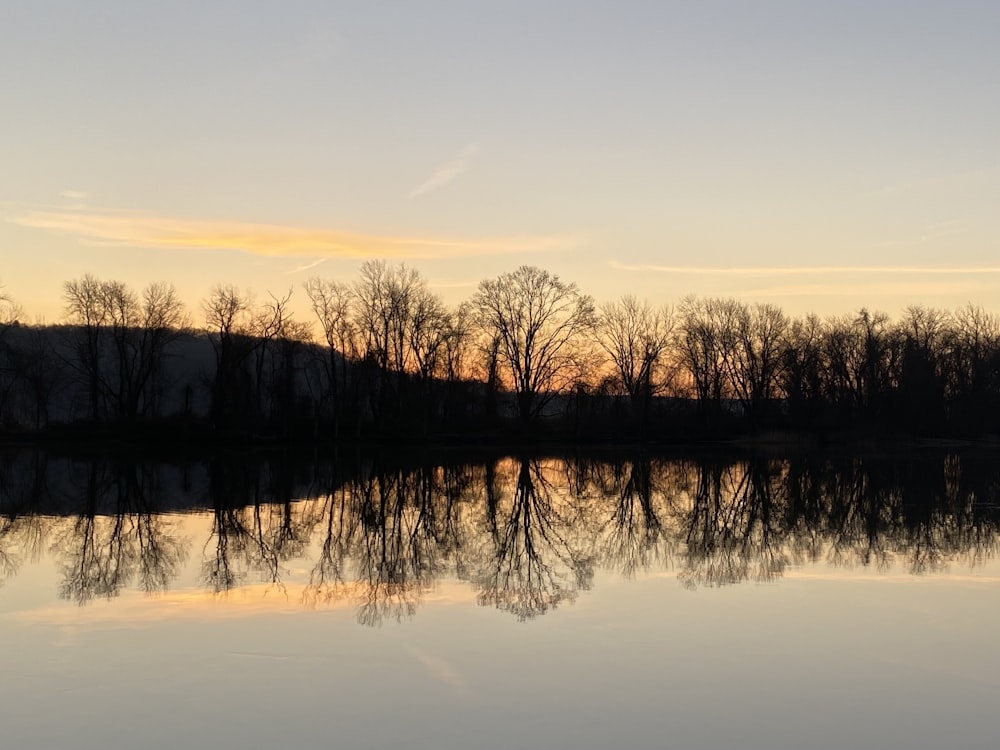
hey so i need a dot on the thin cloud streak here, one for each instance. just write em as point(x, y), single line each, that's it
point(931, 233)
point(445, 173)
point(305, 266)
point(78, 198)
point(868, 290)
point(131, 229)
point(953, 179)
point(806, 270)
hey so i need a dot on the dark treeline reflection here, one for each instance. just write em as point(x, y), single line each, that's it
point(524, 533)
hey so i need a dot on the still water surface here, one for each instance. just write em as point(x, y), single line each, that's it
point(496, 602)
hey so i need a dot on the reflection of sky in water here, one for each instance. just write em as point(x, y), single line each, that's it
point(843, 655)
point(821, 662)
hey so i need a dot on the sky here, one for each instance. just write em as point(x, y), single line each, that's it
point(819, 155)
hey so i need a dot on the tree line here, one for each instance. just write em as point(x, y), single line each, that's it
point(527, 354)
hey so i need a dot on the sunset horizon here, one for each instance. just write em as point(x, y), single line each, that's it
point(820, 157)
point(500, 374)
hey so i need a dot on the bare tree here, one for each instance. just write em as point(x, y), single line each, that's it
point(922, 376)
point(973, 378)
point(269, 325)
point(257, 350)
point(861, 355)
point(385, 296)
point(701, 346)
point(429, 327)
point(402, 329)
point(457, 344)
point(753, 344)
point(636, 337)
point(10, 311)
point(227, 316)
point(535, 319)
point(9, 314)
point(123, 340)
point(456, 361)
point(85, 307)
point(142, 329)
point(39, 368)
point(331, 303)
point(804, 372)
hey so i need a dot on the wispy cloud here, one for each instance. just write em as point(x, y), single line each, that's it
point(78, 198)
point(305, 266)
point(146, 230)
point(445, 173)
point(937, 182)
point(930, 233)
point(869, 289)
point(805, 270)
point(911, 282)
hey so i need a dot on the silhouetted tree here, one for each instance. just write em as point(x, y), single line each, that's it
point(753, 343)
point(921, 403)
point(536, 321)
point(636, 337)
point(270, 326)
point(402, 329)
point(862, 358)
point(701, 341)
point(331, 303)
point(803, 375)
point(227, 316)
point(124, 339)
point(85, 306)
point(973, 369)
point(394, 360)
point(38, 370)
point(9, 313)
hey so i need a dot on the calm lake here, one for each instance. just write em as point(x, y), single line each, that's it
point(456, 600)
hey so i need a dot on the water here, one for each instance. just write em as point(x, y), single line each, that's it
point(500, 601)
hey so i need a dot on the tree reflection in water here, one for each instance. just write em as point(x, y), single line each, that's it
point(525, 533)
point(733, 531)
point(533, 560)
point(634, 535)
point(116, 536)
point(23, 485)
point(397, 558)
point(256, 538)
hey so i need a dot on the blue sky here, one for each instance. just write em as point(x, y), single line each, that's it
point(819, 155)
